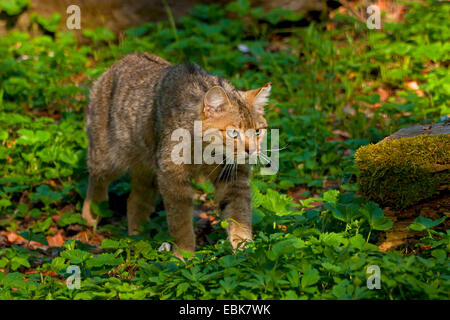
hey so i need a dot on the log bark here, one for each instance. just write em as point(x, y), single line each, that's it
point(438, 128)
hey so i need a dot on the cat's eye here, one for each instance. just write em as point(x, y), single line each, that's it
point(258, 132)
point(232, 133)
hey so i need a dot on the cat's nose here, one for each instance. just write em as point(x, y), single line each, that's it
point(252, 151)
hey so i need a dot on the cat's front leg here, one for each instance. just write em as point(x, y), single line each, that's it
point(177, 194)
point(234, 199)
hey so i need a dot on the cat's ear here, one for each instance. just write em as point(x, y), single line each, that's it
point(258, 98)
point(215, 102)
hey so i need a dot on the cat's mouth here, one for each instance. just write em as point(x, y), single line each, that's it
point(238, 158)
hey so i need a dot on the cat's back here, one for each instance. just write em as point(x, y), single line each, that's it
point(138, 68)
point(121, 103)
point(133, 76)
point(124, 90)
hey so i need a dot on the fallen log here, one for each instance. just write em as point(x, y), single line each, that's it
point(407, 173)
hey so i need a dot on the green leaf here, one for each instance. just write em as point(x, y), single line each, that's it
point(422, 223)
point(15, 280)
point(59, 264)
point(76, 256)
point(17, 262)
point(27, 137)
point(374, 216)
point(13, 7)
point(439, 253)
point(283, 246)
point(42, 226)
point(113, 244)
point(224, 224)
point(45, 194)
point(182, 288)
point(344, 212)
point(3, 262)
point(310, 277)
point(331, 196)
point(3, 135)
point(5, 203)
point(49, 24)
point(42, 136)
point(69, 218)
point(276, 202)
point(99, 34)
point(241, 7)
point(104, 259)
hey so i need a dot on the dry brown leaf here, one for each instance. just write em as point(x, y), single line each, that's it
point(342, 133)
point(57, 240)
point(50, 273)
point(89, 238)
point(383, 93)
point(415, 87)
point(16, 239)
point(13, 237)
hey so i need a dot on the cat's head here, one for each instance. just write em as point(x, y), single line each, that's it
point(237, 117)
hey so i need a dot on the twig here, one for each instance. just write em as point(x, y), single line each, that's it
point(354, 12)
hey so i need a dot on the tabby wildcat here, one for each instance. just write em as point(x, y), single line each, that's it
point(134, 108)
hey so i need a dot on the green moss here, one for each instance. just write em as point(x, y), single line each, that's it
point(401, 172)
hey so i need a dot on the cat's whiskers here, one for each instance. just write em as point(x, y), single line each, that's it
point(230, 173)
point(263, 156)
point(275, 150)
point(225, 169)
point(216, 167)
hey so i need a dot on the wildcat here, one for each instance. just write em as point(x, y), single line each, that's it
point(134, 108)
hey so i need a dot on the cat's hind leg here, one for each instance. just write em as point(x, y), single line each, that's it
point(142, 200)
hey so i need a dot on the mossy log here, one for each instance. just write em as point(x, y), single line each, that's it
point(407, 167)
